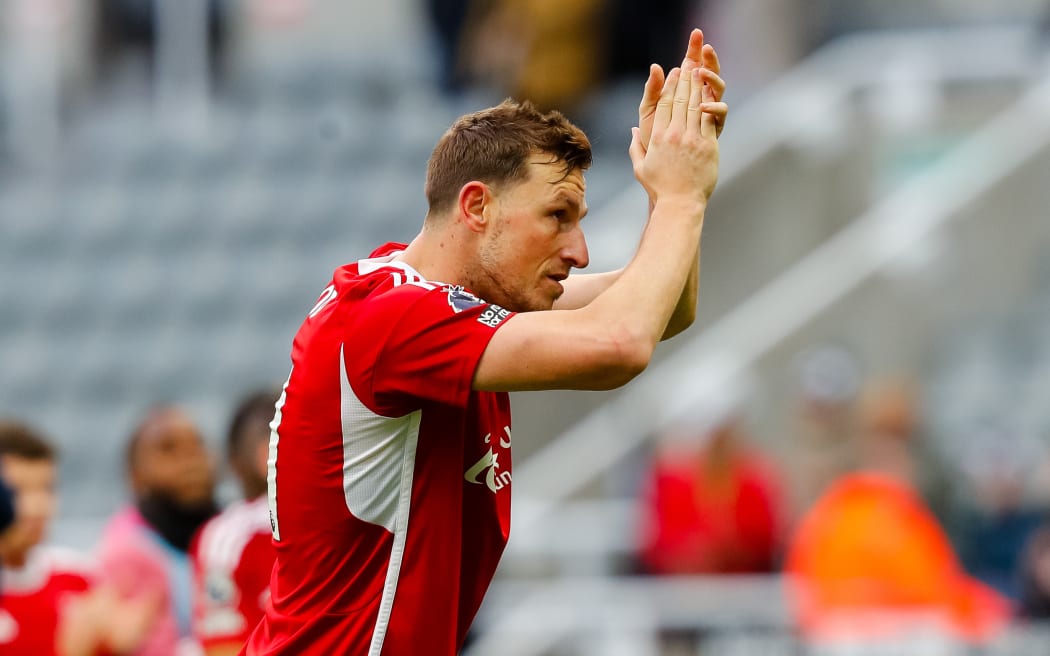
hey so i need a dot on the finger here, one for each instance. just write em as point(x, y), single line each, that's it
point(650, 98)
point(719, 110)
point(636, 150)
point(679, 112)
point(662, 118)
point(696, 102)
point(710, 60)
point(715, 82)
point(694, 51)
point(709, 125)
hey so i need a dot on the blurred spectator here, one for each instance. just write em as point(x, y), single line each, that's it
point(871, 564)
point(130, 29)
point(7, 508)
point(891, 442)
point(824, 438)
point(546, 52)
point(871, 560)
point(50, 603)
point(992, 519)
point(144, 547)
point(448, 19)
point(887, 426)
point(233, 554)
point(712, 505)
point(1035, 576)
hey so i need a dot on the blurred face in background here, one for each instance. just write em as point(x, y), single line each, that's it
point(33, 482)
point(171, 460)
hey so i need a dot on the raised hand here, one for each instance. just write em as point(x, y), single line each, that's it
point(681, 161)
point(697, 55)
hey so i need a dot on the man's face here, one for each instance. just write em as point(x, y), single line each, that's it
point(33, 482)
point(172, 459)
point(535, 238)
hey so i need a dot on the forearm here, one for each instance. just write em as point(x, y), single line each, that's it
point(685, 311)
point(582, 288)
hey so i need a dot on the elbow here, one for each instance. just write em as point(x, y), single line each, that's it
point(629, 355)
point(680, 322)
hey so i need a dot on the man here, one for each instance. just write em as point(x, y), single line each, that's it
point(50, 603)
point(389, 469)
point(233, 554)
point(144, 547)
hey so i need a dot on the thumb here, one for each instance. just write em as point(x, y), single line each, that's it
point(636, 150)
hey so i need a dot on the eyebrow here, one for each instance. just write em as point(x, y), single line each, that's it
point(563, 196)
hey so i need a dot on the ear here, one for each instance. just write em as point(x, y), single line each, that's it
point(474, 198)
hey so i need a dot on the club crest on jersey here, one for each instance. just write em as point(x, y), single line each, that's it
point(460, 299)
point(494, 479)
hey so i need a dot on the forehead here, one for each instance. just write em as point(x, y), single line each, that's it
point(167, 426)
point(547, 176)
point(21, 472)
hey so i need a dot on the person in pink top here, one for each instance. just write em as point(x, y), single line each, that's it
point(144, 547)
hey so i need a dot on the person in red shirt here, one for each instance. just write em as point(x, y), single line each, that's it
point(389, 471)
point(49, 600)
point(711, 508)
point(232, 554)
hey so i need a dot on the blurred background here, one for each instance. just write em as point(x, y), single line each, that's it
point(848, 452)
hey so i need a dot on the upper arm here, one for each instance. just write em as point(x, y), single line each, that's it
point(423, 346)
point(560, 350)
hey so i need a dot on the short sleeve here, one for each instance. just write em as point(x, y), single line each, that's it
point(432, 347)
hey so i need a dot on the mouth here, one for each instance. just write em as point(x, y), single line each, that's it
point(557, 279)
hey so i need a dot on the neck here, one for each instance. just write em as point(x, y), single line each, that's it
point(438, 254)
point(175, 522)
point(10, 557)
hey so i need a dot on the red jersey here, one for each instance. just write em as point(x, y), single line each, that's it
point(389, 477)
point(31, 600)
point(232, 561)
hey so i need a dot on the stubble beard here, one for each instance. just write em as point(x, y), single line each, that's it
point(491, 284)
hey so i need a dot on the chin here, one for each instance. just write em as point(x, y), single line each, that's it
point(536, 305)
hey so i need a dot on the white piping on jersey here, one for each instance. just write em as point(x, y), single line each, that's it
point(406, 276)
point(42, 562)
point(271, 459)
point(373, 264)
point(379, 459)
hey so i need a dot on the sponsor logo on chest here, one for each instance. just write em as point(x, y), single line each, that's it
point(487, 471)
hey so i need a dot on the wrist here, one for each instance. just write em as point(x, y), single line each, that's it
point(679, 205)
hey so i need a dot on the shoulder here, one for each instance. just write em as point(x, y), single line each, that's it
point(126, 532)
point(50, 566)
point(222, 541)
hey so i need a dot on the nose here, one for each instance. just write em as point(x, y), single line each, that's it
point(575, 250)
